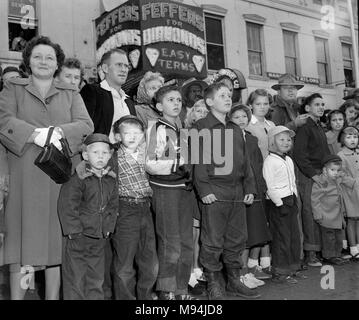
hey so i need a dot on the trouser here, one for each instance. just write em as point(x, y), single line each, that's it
point(332, 242)
point(285, 237)
point(107, 284)
point(134, 242)
point(311, 230)
point(174, 238)
point(223, 233)
point(83, 268)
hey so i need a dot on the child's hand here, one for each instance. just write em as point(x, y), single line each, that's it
point(248, 199)
point(341, 174)
point(211, 198)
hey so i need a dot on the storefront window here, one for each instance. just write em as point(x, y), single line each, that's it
point(22, 23)
point(215, 43)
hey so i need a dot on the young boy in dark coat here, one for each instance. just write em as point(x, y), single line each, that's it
point(87, 208)
point(224, 188)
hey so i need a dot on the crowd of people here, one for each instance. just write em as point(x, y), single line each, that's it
point(151, 210)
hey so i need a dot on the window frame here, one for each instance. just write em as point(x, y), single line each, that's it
point(261, 52)
point(221, 19)
point(296, 50)
point(350, 45)
point(326, 63)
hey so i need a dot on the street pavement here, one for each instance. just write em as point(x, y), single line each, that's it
point(341, 284)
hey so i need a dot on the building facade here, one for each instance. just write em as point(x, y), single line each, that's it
point(261, 38)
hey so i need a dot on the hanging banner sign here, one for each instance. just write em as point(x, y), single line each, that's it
point(162, 36)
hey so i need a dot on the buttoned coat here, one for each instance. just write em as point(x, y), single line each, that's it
point(351, 167)
point(327, 201)
point(33, 234)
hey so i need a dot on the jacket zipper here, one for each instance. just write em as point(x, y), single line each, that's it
point(101, 206)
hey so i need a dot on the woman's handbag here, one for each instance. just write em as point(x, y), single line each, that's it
point(56, 164)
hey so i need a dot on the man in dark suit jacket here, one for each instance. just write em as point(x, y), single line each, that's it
point(107, 102)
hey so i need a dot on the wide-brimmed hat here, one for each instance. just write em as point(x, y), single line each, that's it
point(287, 79)
point(191, 82)
point(352, 94)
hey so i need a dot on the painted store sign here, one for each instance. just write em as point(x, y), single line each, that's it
point(164, 36)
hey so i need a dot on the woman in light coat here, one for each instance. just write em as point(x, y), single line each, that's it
point(28, 107)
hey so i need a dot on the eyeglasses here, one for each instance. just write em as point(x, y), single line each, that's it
point(124, 66)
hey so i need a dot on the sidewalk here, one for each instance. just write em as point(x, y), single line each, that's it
point(346, 286)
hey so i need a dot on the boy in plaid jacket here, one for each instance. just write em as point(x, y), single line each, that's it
point(134, 237)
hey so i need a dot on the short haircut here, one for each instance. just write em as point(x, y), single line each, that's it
point(26, 54)
point(73, 63)
point(211, 90)
point(330, 116)
point(163, 91)
point(308, 100)
point(257, 93)
point(237, 107)
point(131, 122)
point(107, 55)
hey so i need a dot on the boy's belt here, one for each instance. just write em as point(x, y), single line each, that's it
point(135, 200)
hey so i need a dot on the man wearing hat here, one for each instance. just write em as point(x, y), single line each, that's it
point(285, 109)
point(192, 90)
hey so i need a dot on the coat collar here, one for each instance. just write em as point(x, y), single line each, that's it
point(104, 85)
point(84, 171)
point(166, 123)
point(346, 151)
point(254, 120)
point(55, 88)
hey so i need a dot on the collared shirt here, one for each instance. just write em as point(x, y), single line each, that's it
point(260, 130)
point(132, 176)
point(120, 108)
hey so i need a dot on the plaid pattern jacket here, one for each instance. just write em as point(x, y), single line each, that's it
point(132, 177)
